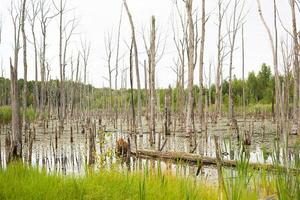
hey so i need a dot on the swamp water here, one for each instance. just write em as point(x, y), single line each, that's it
point(70, 157)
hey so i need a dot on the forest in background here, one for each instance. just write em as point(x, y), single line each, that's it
point(259, 91)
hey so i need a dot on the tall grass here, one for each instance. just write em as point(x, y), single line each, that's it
point(244, 182)
point(19, 181)
point(22, 182)
point(6, 114)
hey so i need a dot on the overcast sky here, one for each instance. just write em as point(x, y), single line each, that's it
point(98, 17)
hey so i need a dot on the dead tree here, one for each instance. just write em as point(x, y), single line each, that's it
point(61, 113)
point(243, 76)
point(75, 84)
point(35, 9)
point(296, 100)
point(85, 54)
point(133, 126)
point(140, 125)
point(222, 9)
point(167, 112)
point(117, 64)
point(181, 47)
point(152, 79)
point(274, 48)
point(234, 25)
point(24, 39)
point(15, 149)
point(190, 52)
point(45, 19)
point(68, 31)
point(201, 61)
point(108, 50)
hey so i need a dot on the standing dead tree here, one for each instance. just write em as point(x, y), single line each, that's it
point(296, 100)
point(274, 47)
point(14, 143)
point(35, 9)
point(24, 40)
point(191, 65)
point(235, 23)
point(140, 125)
point(152, 79)
point(117, 64)
point(69, 29)
point(181, 47)
point(133, 124)
point(61, 107)
point(287, 56)
point(85, 54)
point(45, 19)
point(109, 51)
point(243, 76)
point(75, 83)
point(222, 9)
point(201, 61)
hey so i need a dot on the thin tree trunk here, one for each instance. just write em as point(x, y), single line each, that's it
point(61, 70)
point(152, 79)
point(296, 64)
point(243, 71)
point(140, 125)
point(190, 50)
point(133, 127)
point(24, 60)
point(201, 62)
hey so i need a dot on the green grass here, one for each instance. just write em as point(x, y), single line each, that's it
point(21, 182)
point(5, 114)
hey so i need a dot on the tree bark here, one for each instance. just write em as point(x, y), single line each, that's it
point(201, 62)
point(295, 63)
point(152, 79)
point(24, 60)
point(191, 65)
point(140, 125)
point(16, 140)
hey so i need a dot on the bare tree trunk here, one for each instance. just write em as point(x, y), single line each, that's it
point(45, 18)
point(296, 65)
point(24, 60)
point(275, 59)
point(117, 66)
point(243, 71)
point(152, 79)
point(191, 65)
point(32, 18)
point(75, 84)
point(167, 112)
point(15, 144)
point(221, 13)
point(236, 20)
point(85, 55)
point(16, 148)
point(201, 62)
point(133, 127)
point(140, 125)
point(109, 55)
point(61, 115)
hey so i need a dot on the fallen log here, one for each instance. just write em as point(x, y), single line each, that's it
point(204, 160)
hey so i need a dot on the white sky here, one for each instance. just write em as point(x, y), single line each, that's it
point(98, 17)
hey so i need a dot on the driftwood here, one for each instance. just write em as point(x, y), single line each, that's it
point(204, 160)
